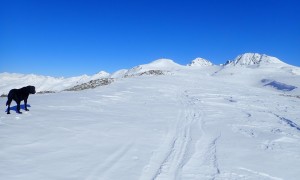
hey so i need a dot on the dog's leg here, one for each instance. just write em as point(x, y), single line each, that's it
point(8, 104)
point(25, 103)
point(18, 107)
point(8, 109)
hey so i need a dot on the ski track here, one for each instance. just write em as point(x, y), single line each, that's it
point(260, 175)
point(189, 153)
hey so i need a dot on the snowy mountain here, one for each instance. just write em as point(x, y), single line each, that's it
point(163, 65)
point(50, 84)
point(212, 122)
point(248, 59)
point(261, 70)
point(99, 75)
point(158, 67)
point(200, 62)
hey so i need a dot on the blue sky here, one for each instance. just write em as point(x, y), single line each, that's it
point(74, 37)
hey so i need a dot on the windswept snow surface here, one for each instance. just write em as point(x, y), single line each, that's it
point(193, 124)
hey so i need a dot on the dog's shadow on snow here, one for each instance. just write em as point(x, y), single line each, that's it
point(14, 108)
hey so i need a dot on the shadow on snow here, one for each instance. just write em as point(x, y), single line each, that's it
point(14, 108)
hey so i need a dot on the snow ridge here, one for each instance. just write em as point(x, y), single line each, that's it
point(91, 84)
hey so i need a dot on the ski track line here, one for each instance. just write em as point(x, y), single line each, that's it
point(100, 171)
point(203, 164)
point(188, 152)
point(260, 174)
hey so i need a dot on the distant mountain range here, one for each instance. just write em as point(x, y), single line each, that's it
point(158, 67)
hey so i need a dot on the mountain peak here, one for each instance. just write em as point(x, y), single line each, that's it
point(162, 63)
point(101, 74)
point(200, 62)
point(253, 59)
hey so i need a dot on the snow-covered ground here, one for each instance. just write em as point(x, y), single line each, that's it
point(195, 122)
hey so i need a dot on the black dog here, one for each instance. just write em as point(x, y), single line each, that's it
point(19, 95)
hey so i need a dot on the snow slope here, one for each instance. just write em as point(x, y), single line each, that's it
point(195, 123)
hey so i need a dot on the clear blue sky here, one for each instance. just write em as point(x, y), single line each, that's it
point(74, 37)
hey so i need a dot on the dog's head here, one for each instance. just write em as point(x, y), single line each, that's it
point(31, 89)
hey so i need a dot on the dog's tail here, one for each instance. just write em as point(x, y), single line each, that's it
point(6, 102)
